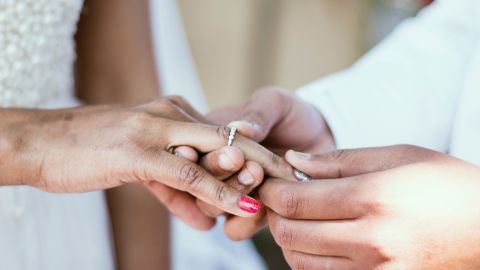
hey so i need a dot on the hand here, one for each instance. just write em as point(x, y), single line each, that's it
point(227, 164)
point(279, 121)
point(398, 207)
point(90, 148)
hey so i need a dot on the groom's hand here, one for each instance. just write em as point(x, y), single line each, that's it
point(398, 207)
point(280, 121)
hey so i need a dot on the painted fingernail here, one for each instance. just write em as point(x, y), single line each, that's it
point(225, 162)
point(301, 155)
point(245, 178)
point(248, 204)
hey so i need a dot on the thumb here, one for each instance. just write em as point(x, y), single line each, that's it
point(346, 163)
point(262, 112)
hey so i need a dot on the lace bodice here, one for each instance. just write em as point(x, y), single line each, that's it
point(37, 51)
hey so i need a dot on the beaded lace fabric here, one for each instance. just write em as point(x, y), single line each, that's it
point(37, 51)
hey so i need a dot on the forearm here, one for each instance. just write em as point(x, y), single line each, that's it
point(25, 135)
point(15, 168)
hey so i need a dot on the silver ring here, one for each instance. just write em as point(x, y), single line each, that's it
point(231, 136)
point(301, 176)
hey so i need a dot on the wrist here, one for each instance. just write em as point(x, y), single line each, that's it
point(13, 168)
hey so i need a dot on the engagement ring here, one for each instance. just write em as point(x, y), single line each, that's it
point(231, 136)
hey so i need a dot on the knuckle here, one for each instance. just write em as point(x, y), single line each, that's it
point(341, 158)
point(223, 132)
point(190, 175)
point(284, 234)
point(177, 100)
point(377, 252)
point(372, 246)
point(139, 119)
point(163, 106)
point(220, 193)
point(276, 161)
point(291, 204)
point(373, 207)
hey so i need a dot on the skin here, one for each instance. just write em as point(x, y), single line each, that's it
point(273, 118)
point(399, 207)
point(107, 73)
point(100, 147)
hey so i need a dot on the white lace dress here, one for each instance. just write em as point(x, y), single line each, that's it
point(42, 231)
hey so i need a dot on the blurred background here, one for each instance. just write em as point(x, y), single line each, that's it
point(239, 46)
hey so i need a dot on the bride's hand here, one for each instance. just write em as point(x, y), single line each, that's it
point(91, 148)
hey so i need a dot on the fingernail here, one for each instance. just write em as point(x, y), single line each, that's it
point(245, 178)
point(301, 155)
point(225, 162)
point(248, 204)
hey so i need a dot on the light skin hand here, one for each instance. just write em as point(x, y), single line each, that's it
point(399, 207)
point(100, 147)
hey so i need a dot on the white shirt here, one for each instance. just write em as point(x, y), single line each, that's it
point(420, 86)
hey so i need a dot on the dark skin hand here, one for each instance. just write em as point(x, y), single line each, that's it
point(399, 207)
point(108, 73)
point(272, 117)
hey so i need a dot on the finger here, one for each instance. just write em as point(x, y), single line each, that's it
point(240, 228)
point(346, 163)
point(186, 152)
point(182, 205)
point(223, 162)
point(263, 110)
point(252, 175)
point(300, 260)
point(206, 138)
point(319, 200)
point(184, 175)
point(326, 238)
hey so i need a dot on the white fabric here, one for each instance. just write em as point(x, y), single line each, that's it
point(192, 249)
point(38, 230)
point(420, 86)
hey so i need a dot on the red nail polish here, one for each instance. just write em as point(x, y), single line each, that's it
point(248, 204)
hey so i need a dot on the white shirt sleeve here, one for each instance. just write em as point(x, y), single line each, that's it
point(406, 89)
